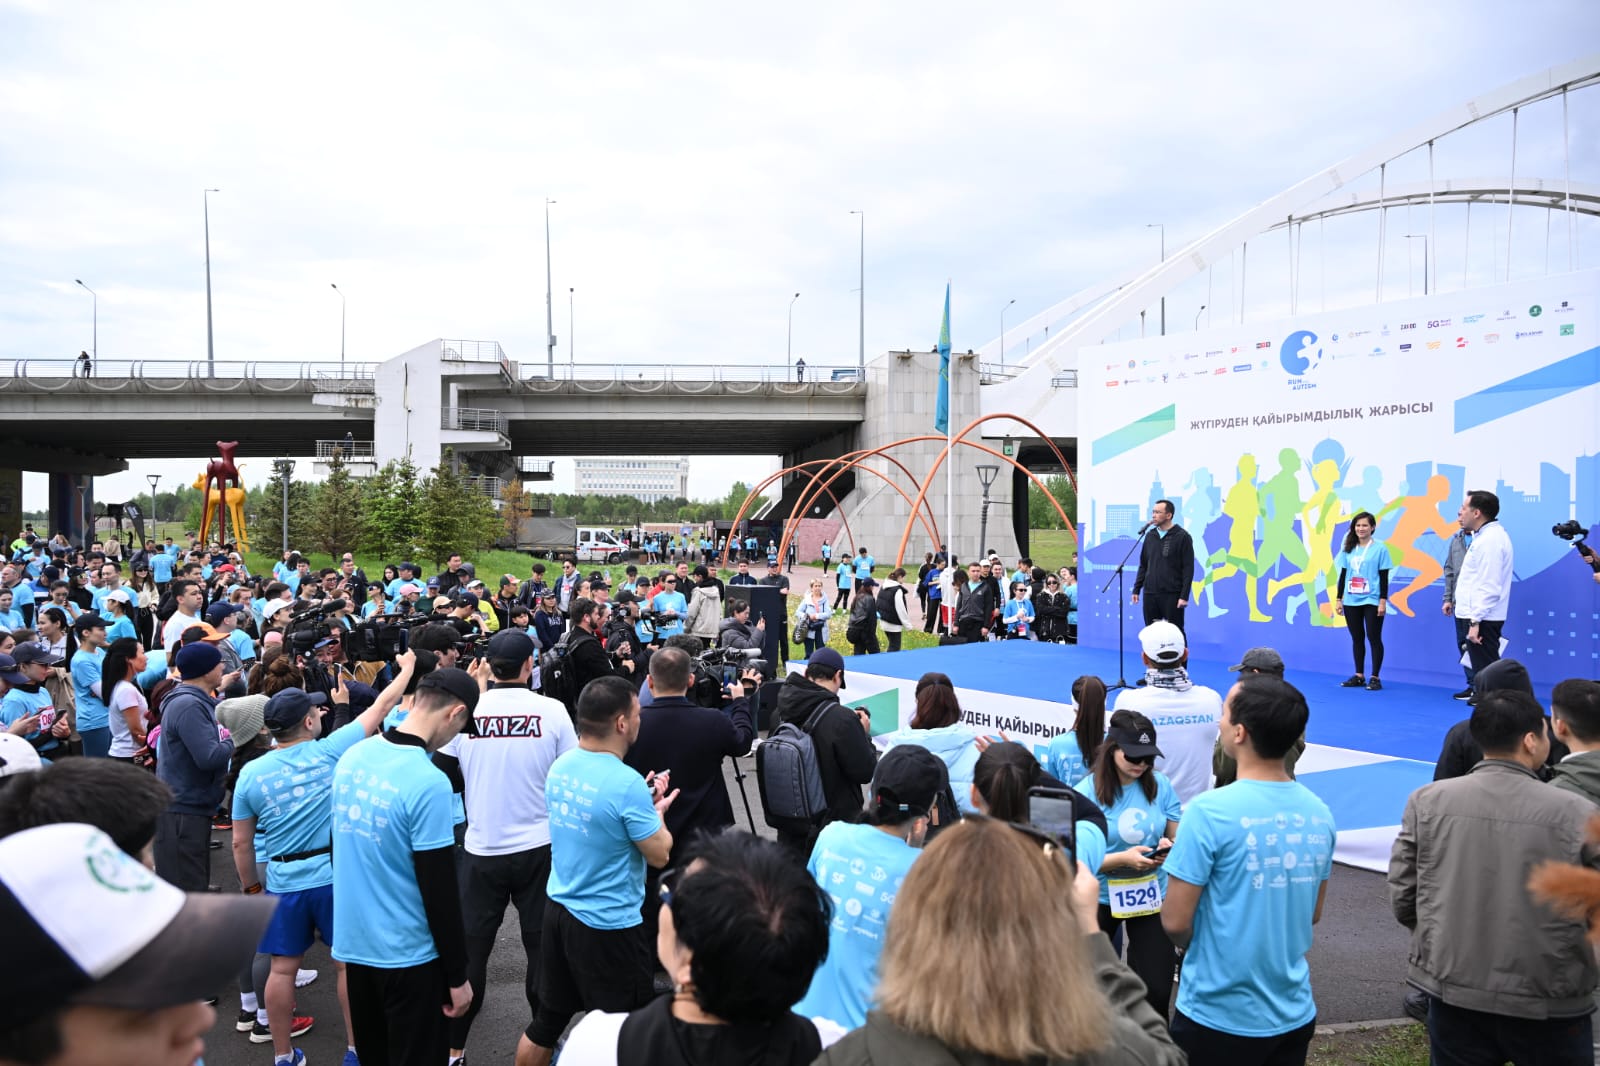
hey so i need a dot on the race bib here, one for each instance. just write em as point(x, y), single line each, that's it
point(1358, 584)
point(1134, 897)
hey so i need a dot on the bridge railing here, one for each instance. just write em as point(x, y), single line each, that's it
point(1066, 379)
point(536, 375)
point(474, 419)
point(356, 451)
point(536, 468)
point(174, 375)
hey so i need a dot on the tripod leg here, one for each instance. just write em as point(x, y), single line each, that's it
point(738, 775)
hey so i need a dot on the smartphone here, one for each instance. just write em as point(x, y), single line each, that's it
point(1160, 853)
point(1050, 810)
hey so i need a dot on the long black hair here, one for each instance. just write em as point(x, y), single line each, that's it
point(1002, 775)
point(114, 669)
point(1107, 785)
point(1089, 692)
point(1350, 537)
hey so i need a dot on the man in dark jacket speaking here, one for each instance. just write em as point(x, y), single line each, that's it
point(846, 757)
point(1166, 568)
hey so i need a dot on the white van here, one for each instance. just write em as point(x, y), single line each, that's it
point(597, 545)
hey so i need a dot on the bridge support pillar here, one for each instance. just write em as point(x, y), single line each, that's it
point(72, 506)
point(903, 391)
point(10, 504)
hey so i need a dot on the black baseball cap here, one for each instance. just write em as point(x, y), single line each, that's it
point(458, 684)
point(909, 777)
point(1135, 744)
point(88, 620)
point(511, 644)
point(289, 707)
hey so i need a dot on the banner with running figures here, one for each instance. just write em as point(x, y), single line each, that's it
point(1270, 438)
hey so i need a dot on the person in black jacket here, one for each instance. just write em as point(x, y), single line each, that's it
point(1050, 607)
point(975, 605)
point(589, 657)
point(1460, 753)
point(1166, 568)
point(846, 757)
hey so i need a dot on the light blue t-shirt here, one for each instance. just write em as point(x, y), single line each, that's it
point(389, 800)
point(1260, 851)
point(671, 601)
point(155, 668)
point(864, 564)
point(19, 704)
point(243, 644)
point(287, 791)
point(860, 867)
point(1072, 603)
point(1361, 566)
point(161, 567)
point(121, 626)
point(1017, 615)
point(1090, 844)
point(85, 668)
point(847, 577)
point(1133, 821)
point(1065, 761)
point(12, 620)
point(600, 808)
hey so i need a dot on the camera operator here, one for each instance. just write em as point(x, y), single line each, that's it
point(588, 655)
point(736, 631)
point(621, 635)
point(691, 741)
point(1586, 552)
point(441, 638)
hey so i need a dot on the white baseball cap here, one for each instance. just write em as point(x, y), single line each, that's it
point(1162, 643)
point(99, 928)
point(16, 755)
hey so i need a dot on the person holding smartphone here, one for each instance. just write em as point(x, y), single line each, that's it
point(1142, 811)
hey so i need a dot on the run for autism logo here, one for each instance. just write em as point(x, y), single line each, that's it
point(1300, 353)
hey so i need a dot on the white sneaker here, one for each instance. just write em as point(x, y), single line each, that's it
point(304, 977)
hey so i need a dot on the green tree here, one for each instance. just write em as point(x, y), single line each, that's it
point(335, 522)
point(390, 502)
point(268, 535)
point(1041, 515)
point(454, 517)
point(515, 505)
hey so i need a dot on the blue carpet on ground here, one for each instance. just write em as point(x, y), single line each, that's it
point(1404, 721)
point(1365, 797)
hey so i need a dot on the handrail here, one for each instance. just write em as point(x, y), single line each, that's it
point(474, 420)
point(536, 375)
point(1066, 379)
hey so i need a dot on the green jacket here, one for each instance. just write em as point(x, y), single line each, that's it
point(1226, 771)
point(1579, 773)
point(1138, 1035)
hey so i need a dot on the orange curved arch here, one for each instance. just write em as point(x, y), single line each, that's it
point(960, 438)
point(807, 500)
point(855, 458)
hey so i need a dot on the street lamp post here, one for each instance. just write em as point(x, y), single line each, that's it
point(572, 331)
point(1003, 332)
point(94, 345)
point(1197, 315)
point(1423, 237)
point(154, 480)
point(549, 308)
point(342, 309)
point(284, 467)
point(861, 314)
point(211, 351)
point(1162, 226)
point(986, 474)
point(788, 344)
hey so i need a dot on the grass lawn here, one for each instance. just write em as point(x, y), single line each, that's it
point(1052, 548)
point(1400, 1045)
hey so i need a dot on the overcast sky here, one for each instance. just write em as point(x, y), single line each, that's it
point(705, 159)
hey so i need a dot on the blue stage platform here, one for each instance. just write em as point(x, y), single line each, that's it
point(1367, 750)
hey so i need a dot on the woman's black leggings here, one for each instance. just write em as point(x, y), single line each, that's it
point(1366, 624)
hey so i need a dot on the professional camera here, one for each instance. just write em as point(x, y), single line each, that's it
point(1572, 529)
point(473, 649)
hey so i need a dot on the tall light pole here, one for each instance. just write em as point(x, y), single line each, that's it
point(342, 309)
point(549, 307)
point(285, 467)
point(861, 314)
point(211, 351)
point(572, 331)
point(986, 474)
point(154, 480)
point(95, 344)
point(1003, 332)
point(1423, 237)
point(1197, 316)
point(1162, 226)
point(788, 343)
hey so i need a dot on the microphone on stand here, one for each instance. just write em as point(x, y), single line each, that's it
point(1145, 528)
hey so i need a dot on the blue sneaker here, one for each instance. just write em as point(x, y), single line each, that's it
point(298, 1059)
point(350, 1057)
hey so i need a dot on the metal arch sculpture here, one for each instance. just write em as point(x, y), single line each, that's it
point(961, 438)
point(850, 460)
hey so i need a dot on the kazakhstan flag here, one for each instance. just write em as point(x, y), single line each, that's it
point(941, 409)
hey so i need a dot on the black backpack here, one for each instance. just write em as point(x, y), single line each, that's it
point(787, 776)
point(557, 678)
point(889, 604)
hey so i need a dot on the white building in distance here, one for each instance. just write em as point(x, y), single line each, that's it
point(647, 480)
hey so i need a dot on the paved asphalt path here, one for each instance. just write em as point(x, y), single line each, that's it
point(1357, 969)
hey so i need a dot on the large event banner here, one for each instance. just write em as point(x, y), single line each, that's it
point(1269, 438)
